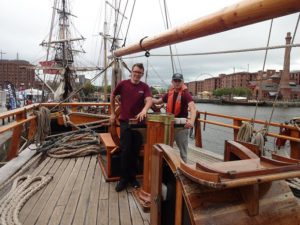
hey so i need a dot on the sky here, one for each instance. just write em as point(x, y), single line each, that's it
point(25, 24)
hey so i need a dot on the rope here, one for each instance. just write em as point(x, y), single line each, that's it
point(21, 171)
point(220, 52)
point(263, 69)
point(43, 124)
point(259, 140)
point(296, 122)
point(77, 144)
point(245, 132)
point(124, 43)
point(285, 62)
point(22, 189)
point(66, 120)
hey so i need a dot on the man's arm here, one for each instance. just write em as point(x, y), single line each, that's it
point(190, 122)
point(157, 101)
point(143, 113)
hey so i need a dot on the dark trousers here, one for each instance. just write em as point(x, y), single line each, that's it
point(130, 145)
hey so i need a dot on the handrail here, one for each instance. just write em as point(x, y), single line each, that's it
point(237, 127)
point(250, 120)
point(23, 109)
point(17, 111)
point(15, 124)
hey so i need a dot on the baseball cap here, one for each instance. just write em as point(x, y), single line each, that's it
point(177, 76)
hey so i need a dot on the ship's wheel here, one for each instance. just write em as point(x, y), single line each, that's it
point(114, 128)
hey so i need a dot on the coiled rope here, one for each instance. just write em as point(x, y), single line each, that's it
point(22, 189)
point(43, 124)
point(77, 144)
point(259, 140)
point(21, 171)
point(245, 132)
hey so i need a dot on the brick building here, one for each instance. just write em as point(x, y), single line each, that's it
point(18, 72)
point(241, 79)
point(264, 85)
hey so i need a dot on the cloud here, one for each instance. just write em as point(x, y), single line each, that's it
point(23, 33)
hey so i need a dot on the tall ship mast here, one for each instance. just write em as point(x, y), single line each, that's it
point(62, 49)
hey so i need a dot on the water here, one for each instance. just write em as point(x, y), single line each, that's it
point(213, 136)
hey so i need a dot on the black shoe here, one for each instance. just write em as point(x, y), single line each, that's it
point(134, 183)
point(122, 184)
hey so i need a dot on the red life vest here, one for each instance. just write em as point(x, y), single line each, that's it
point(280, 141)
point(177, 107)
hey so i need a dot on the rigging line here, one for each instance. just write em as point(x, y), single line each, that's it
point(129, 24)
point(285, 64)
point(117, 11)
point(175, 46)
point(162, 14)
point(147, 68)
point(49, 45)
point(122, 18)
point(162, 80)
point(264, 64)
point(170, 47)
point(220, 52)
point(80, 88)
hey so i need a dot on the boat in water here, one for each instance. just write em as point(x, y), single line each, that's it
point(242, 101)
point(67, 176)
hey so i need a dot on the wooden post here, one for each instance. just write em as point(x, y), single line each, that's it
point(295, 146)
point(198, 135)
point(15, 140)
point(160, 129)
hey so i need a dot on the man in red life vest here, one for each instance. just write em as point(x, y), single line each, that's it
point(179, 101)
point(136, 99)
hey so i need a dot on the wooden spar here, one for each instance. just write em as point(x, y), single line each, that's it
point(241, 14)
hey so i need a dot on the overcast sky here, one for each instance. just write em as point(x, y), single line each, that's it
point(25, 24)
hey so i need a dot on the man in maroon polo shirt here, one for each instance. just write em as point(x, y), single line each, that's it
point(136, 99)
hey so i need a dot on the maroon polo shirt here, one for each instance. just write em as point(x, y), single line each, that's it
point(132, 98)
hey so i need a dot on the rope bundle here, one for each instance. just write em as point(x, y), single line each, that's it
point(245, 132)
point(22, 189)
point(77, 144)
point(43, 124)
point(259, 139)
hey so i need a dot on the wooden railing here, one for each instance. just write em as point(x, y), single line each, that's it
point(294, 137)
point(25, 115)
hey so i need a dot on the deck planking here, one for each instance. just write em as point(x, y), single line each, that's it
point(79, 195)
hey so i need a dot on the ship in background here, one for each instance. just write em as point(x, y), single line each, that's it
point(61, 65)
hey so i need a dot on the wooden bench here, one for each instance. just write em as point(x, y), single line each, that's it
point(107, 164)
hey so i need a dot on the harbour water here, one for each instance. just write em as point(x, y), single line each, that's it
point(214, 136)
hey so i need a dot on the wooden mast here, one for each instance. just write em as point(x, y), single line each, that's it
point(241, 14)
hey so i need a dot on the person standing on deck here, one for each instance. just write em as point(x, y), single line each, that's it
point(179, 101)
point(136, 99)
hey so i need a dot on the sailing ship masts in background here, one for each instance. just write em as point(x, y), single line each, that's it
point(63, 40)
point(238, 15)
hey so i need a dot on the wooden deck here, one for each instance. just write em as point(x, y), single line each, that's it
point(79, 195)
